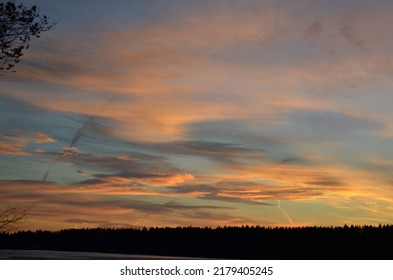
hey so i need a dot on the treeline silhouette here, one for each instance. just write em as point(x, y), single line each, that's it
point(246, 242)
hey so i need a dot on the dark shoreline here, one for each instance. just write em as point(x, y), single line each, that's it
point(6, 254)
point(304, 243)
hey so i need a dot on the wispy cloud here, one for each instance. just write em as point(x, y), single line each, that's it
point(347, 31)
point(100, 207)
point(13, 144)
point(43, 138)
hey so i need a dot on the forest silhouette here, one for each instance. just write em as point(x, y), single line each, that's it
point(246, 242)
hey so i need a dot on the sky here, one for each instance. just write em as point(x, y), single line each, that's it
point(202, 113)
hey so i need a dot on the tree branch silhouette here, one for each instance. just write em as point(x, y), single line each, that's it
point(11, 216)
point(18, 24)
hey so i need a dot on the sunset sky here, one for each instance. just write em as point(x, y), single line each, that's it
point(203, 113)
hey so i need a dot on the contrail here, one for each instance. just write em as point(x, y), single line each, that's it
point(47, 171)
point(285, 213)
point(80, 132)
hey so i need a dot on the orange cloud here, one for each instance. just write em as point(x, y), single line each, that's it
point(15, 148)
point(43, 138)
point(53, 206)
point(13, 145)
point(16, 144)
